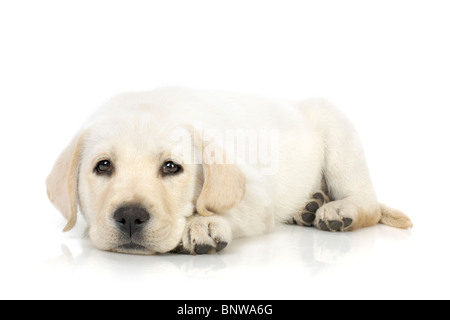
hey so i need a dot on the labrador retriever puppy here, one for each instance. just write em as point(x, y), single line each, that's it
point(183, 170)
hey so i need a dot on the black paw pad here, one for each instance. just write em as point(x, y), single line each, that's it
point(312, 206)
point(335, 225)
point(323, 226)
point(202, 248)
point(319, 196)
point(308, 217)
point(221, 245)
point(347, 222)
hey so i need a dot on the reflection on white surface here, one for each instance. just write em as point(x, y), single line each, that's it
point(308, 247)
point(280, 264)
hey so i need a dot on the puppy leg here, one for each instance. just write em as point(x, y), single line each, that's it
point(204, 235)
point(348, 181)
point(355, 205)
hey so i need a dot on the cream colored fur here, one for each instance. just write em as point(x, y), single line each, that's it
point(224, 195)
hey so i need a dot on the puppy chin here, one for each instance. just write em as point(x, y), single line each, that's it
point(125, 248)
point(133, 250)
point(163, 246)
point(141, 250)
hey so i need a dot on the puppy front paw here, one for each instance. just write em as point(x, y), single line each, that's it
point(204, 235)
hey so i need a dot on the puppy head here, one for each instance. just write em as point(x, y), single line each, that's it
point(136, 187)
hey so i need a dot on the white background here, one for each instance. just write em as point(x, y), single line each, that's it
point(385, 63)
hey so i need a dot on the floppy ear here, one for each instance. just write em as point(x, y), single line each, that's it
point(223, 187)
point(63, 180)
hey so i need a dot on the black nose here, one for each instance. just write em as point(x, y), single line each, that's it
point(131, 219)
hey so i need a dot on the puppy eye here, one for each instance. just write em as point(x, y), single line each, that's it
point(169, 167)
point(104, 167)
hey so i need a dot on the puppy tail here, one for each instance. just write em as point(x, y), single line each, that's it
point(394, 218)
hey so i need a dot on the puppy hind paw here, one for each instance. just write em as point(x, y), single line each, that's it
point(307, 215)
point(334, 217)
point(335, 225)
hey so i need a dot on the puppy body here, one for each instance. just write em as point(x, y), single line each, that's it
point(248, 163)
